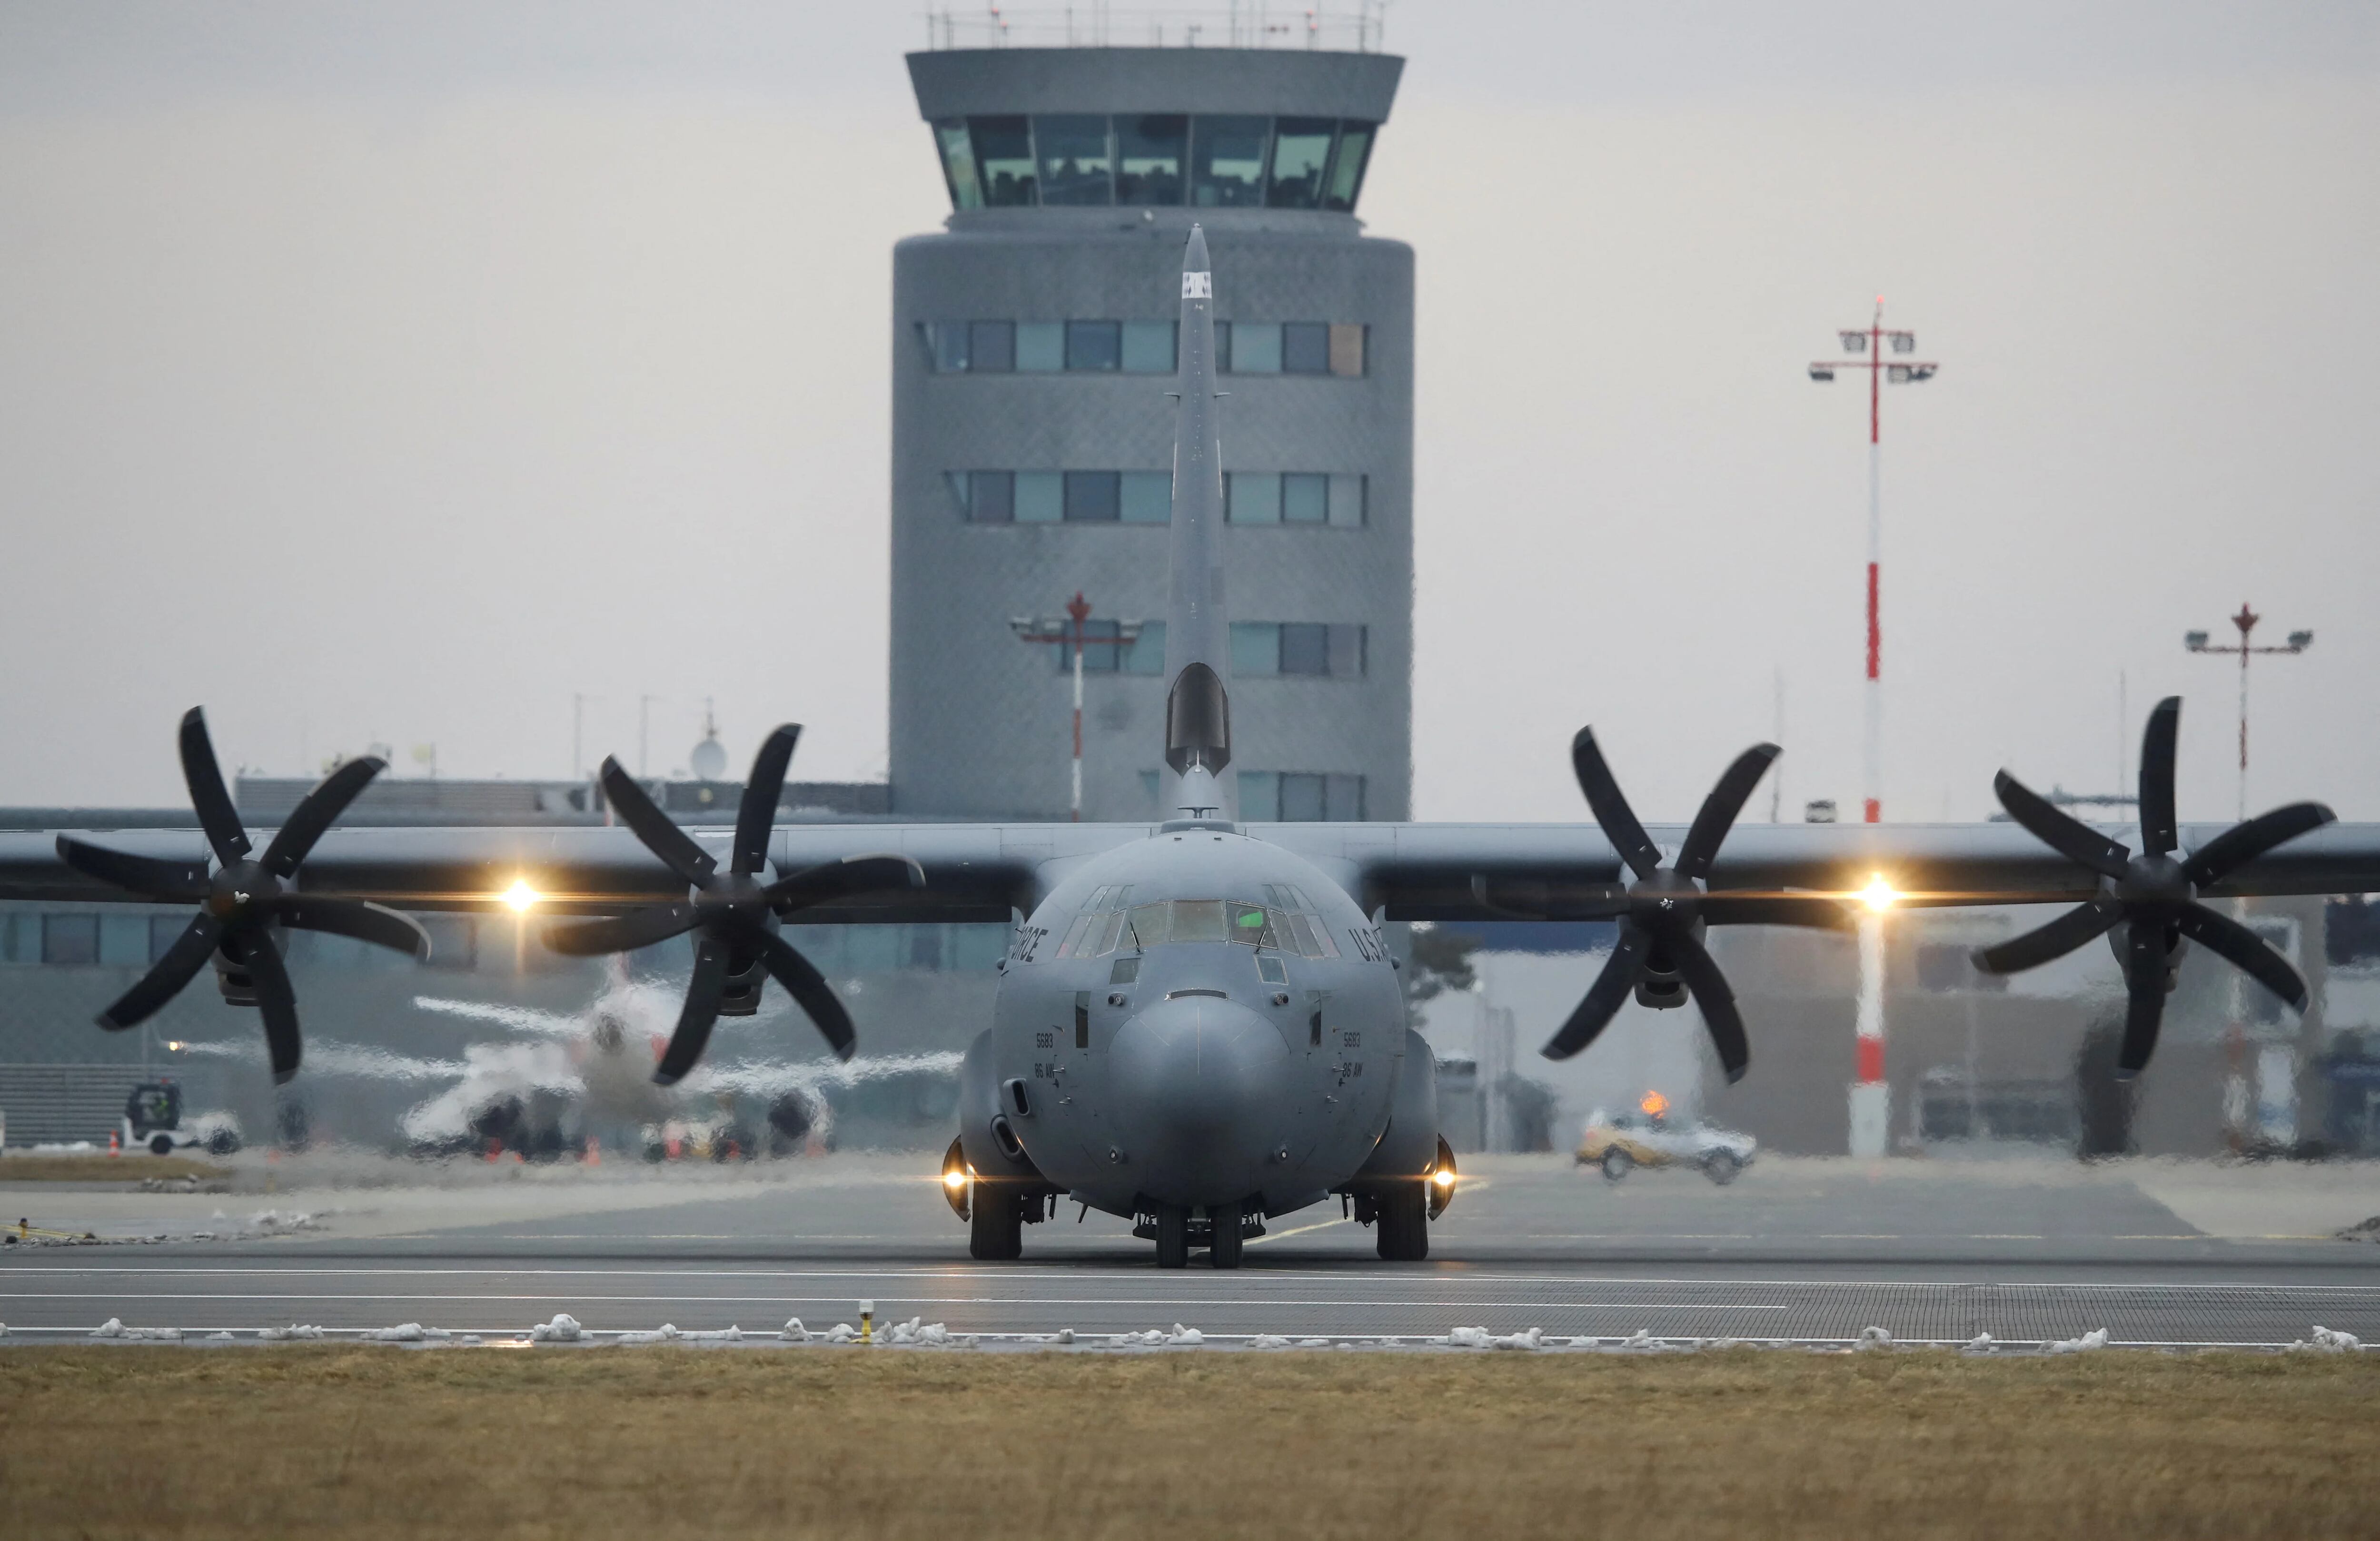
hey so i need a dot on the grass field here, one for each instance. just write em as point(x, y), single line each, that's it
point(344, 1441)
point(104, 1168)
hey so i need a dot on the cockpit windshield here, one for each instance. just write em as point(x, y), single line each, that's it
point(1112, 924)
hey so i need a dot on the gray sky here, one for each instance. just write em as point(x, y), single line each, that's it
point(392, 372)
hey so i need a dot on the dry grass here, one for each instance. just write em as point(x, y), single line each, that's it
point(608, 1442)
point(129, 1168)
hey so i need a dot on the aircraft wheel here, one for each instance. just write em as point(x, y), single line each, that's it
point(1616, 1163)
point(1721, 1166)
point(1172, 1236)
point(1404, 1225)
point(1224, 1250)
point(995, 1227)
point(161, 1145)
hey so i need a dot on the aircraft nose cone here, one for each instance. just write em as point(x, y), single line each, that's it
point(1197, 1079)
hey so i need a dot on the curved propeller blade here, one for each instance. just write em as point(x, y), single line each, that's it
point(840, 879)
point(2059, 830)
point(1709, 989)
point(145, 876)
point(167, 976)
point(316, 812)
point(622, 933)
point(2079, 924)
point(1605, 997)
point(2158, 833)
point(812, 992)
point(2144, 990)
point(2241, 844)
point(208, 798)
point(703, 992)
point(1610, 805)
point(1777, 909)
point(358, 918)
point(660, 834)
point(1720, 809)
point(2219, 934)
point(757, 815)
point(275, 1001)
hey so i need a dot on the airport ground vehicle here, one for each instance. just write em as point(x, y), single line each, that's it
point(152, 1117)
point(1650, 1137)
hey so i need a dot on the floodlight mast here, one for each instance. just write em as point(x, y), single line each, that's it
point(1871, 342)
point(2246, 621)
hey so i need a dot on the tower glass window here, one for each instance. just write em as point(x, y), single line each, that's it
point(1041, 497)
point(1227, 161)
point(1254, 348)
point(1304, 498)
point(1346, 180)
point(1304, 347)
point(1149, 348)
point(958, 162)
point(1003, 156)
point(1146, 498)
point(1150, 147)
point(1252, 497)
point(992, 348)
point(992, 497)
point(1301, 151)
point(1040, 346)
point(1092, 497)
point(1075, 164)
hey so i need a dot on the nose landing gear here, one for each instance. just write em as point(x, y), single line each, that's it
point(1224, 1230)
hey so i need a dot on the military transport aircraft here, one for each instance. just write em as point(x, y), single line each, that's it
point(1198, 1026)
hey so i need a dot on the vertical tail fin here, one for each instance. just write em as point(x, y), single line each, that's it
point(1198, 629)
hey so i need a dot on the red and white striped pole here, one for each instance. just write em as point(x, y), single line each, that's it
point(1079, 609)
point(1871, 1107)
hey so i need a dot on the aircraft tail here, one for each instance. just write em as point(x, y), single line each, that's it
point(1198, 781)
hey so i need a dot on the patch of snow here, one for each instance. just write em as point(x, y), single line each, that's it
point(842, 1332)
point(1314, 1343)
point(723, 1335)
point(220, 1338)
point(471, 1340)
point(1874, 1338)
point(1185, 1337)
point(564, 1328)
point(2095, 1339)
point(1468, 1337)
point(668, 1334)
point(1980, 1343)
point(1150, 1339)
point(291, 1334)
point(2324, 1341)
point(114, 1327)
point(1267, 1341)
point(919, 1333)
point(1065, 1335)
point(406, 1332)
point(794, 1332)
point(1640, 1339)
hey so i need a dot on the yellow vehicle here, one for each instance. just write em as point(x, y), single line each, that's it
point(1652, 1138)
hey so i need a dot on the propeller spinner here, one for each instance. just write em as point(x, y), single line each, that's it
point(244, 898)
point(733, 913)
point(2152, 895)
point(1665, 911)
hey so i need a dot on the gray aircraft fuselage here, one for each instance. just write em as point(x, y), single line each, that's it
point(1195, 1019)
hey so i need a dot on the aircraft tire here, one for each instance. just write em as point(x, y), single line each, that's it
point(1224, 1250)
point(1723, 1167)
point(1172, 1236)
point(1403, 1225)
point(995, 1228)
point(1616, 1163)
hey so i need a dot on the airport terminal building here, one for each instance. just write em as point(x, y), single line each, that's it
point(1033, 345)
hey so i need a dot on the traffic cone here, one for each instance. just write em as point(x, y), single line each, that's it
point(115, 1141)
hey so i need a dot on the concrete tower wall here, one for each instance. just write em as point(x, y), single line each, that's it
point(980, 720)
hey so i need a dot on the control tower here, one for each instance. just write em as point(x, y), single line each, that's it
point(1033, 345)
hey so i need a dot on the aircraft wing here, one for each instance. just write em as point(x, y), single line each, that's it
point(973, 872)
point(1481, 872)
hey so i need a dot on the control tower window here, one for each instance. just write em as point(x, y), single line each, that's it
point(1003, 156)
point(1346, 179)
point(1304, 347)
point(1093, 497)
point(991, 347)
point(1227, 161)
point(1149, 348)
point(1075, 162)
point(1094, 345)
point(1255, 348)
point(1149, 149)
point(1301, 150)
point(958, 162)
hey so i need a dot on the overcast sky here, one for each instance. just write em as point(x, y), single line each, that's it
point(391, 372)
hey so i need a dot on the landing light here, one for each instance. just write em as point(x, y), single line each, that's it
point(1878, 895)
point(954, 1178)
point(521, 897)
point(1444, 1177)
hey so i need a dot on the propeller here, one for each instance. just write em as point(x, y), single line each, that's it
point(244, 898)
point(2152, 895)
point(1665, 911)
point(734, 914)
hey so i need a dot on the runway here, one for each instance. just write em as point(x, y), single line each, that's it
point(1813, 1251)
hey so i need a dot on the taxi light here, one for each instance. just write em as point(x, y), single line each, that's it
point(521, 897)
point(954, 1179)
point(1444, 1177)
point(1878, 895)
